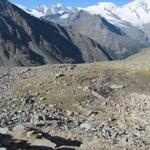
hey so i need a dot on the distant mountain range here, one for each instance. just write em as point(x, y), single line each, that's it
point(122, 31)
point(136, 12)
point(27, 41)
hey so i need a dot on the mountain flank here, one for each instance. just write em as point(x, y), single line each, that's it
point(119, 41)
point(29, 41)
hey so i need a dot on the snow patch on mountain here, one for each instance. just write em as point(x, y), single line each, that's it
point(64, 16)
point(103, 8)
point(106, 10)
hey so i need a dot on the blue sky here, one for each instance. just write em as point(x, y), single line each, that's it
point(74, 3)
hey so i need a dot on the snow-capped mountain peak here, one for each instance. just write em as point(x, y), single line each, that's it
point(136, 12)
point(39, 11)
point(42, 9)
point(57, 9)
point(105, 9)
point(102, 8)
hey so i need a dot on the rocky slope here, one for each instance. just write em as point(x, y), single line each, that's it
point(140, 59)
point(118, 41)
point(28, 41)
point(91, 106)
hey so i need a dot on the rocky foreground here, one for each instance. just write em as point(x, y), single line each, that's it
point(86, 107)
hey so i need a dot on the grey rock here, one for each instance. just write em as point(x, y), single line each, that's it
point(3, 148)
point(69, 113)
point(85, 126)
point(19, 131)
point(115, 86)
point(4, 130)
